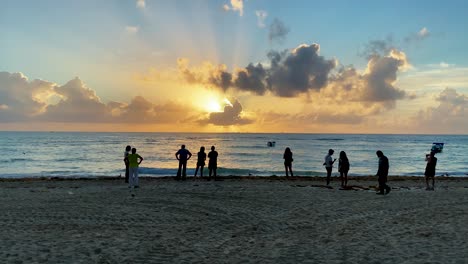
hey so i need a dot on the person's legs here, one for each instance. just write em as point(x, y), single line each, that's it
point(210, 171)
point(329, 171)
point(290, 170)
point(346, 178)
point(135, 179)
point(127, 172)
point(342, 178)
point(196, 170)
point(130, 177)
point(433, 182)
point(184, 170)
point(381, 186)
point(179, 170)
point(201, 171)
point(286, 169)
point(427, 183)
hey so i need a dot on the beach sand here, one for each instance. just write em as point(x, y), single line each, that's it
point(267, 220)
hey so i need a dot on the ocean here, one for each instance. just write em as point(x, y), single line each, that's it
point(83, 154)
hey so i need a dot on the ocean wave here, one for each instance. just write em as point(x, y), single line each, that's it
point(16, 160)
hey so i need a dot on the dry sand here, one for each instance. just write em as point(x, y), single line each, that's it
point(232, 221)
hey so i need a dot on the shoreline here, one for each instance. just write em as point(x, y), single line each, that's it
point(233, 177)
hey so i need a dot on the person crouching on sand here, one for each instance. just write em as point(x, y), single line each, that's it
point(213, 162)
point(430, 170)
point(382, 173)
point(133, 161)
point(288, 159)
point(200, 162)
point(329, 164)
point(343, 168)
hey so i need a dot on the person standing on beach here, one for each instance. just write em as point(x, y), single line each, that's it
point(127, 151)
point(200, 162)
point(430, 170)
point(133, 161)
point(329, 164)
point(288, 159)
point(213, 162)
point(343, 168)
point(182, 155)
point(382, 173)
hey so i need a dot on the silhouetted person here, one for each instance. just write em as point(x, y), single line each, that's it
point(200, 161)
point(382, 173)
point(288, 159)
point(343, 168)
point(329, 164)
point(182, 155)
point(213, 162)
point(430, 170)
point(127, 151)
point(133, 161)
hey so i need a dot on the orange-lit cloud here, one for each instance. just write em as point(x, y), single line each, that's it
point(24, 100)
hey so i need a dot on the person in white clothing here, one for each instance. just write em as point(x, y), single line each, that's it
point(329, 164)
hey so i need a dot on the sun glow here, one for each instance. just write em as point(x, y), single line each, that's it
point(213, 106)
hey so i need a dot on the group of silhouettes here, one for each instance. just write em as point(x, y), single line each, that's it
point(132, 160)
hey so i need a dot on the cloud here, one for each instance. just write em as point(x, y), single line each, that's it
point(132, 29)
point(423, 33)
point(78, 104)
point(418, 36)
point(261, 17)
point(297, 72)
point(141, 4)
point(231, 115)
point(377, 47)
point(235, 5)
point(289, 74)
point(449, 116)
point(22, 100)
point(277, 31)
point(252, 79)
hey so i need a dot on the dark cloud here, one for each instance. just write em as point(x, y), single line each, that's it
point(277, 31)
point(221, 79)
point(252, 79)
point(231, 115)
point(290, 73)
point(300, 71)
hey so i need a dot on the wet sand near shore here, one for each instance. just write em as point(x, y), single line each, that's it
point(236, 220)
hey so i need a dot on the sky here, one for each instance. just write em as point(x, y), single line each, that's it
point(234, 66)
